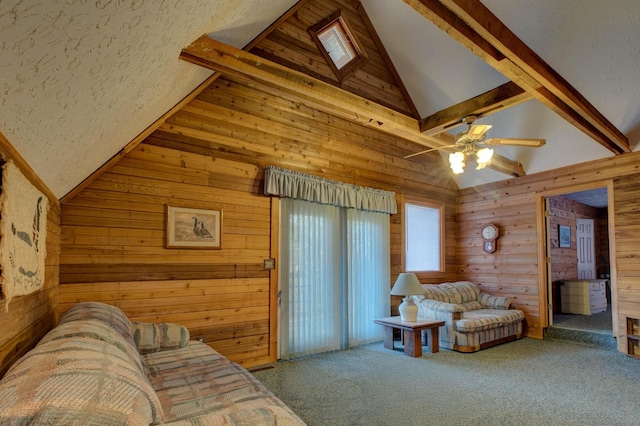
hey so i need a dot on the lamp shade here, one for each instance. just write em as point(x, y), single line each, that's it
point(407, 284)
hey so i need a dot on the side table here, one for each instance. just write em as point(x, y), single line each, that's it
point(412, 334)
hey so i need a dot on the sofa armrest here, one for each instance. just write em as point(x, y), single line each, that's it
point(153, 337)
point(436, 305)
point(494, 302)
point(442, 311)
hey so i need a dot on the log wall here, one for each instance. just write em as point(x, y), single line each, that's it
point(30, 317)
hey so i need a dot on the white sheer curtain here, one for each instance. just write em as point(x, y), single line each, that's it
point(368, 258)
point(310, 270)
point(334, 276)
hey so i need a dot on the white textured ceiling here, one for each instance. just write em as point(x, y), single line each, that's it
point(80, 79)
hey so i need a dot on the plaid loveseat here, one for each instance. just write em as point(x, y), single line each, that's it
point(473, 320)
point(98, 368)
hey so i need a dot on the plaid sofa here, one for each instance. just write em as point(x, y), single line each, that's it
point(98, 368)
point(473, 320)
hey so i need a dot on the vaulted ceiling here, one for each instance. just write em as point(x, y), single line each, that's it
point(81, 81)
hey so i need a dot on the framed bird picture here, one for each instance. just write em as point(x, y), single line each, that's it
point(193, 228)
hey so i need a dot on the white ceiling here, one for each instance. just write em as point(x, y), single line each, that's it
point(79, 80)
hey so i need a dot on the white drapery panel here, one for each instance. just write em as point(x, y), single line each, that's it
point(334, 277)
point(292, 184)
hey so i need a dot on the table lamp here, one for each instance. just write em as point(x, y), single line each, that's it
point(407, 285)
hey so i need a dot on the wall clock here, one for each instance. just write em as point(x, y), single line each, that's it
point(489, 235)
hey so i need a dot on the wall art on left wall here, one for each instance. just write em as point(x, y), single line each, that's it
point(24, 230)
point(193, 228)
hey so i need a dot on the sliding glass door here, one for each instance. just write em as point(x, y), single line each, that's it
point(334, 277)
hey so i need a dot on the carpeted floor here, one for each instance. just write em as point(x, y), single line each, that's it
point(527, 382)
point(592, 330)
point(597, 323)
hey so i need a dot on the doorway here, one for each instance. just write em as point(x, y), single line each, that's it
point(585, 215)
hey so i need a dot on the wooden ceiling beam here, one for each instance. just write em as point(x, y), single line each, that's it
point(227, 59)
point(473, 25)
point(506, 166)
point(221, 57)
point(505, 96)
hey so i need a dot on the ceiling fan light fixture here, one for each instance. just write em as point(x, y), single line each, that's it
point(456, 162)
point(483, 157)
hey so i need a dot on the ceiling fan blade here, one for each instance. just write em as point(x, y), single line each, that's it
point(429, 150)
point(477, 131)
point(531, 143)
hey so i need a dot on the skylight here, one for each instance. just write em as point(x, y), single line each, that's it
point(338, 45)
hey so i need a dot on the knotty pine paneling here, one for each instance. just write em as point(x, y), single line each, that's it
point(113, 236)
point(30, 317)
point(627, 244)
point(212, 154)
point(291, 45)
point(513, 270)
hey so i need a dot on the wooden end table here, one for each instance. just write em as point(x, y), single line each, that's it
point(411, 333)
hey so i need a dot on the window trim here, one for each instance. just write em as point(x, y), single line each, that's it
point(441, 210)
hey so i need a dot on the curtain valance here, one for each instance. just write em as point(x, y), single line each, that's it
point(297, 185)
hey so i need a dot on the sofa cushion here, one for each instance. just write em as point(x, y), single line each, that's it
point(264, 416)
point(435, 292)
point(111, 315)
point(77, 380)
point(462, 291)
point(486, 319)
point(196, 381)
point(153, 337)
point(457, 292)
point(471, 306)
point(98, 330)
point(494, 302)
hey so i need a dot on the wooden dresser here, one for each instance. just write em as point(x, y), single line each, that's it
point(583, 297)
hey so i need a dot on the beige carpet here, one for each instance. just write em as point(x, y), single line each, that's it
point(527, 382)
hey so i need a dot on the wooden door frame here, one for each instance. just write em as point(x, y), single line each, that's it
point(274, 283)
point(543, 279)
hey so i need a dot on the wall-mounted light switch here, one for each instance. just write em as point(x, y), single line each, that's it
point(269, 264)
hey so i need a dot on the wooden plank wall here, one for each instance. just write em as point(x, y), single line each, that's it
point(212, 154)
point(512, 206)
point(31, 317)
point(291, 45)
point(113, 248)
point(627, 243)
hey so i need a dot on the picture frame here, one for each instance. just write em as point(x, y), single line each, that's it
point(564, 236)
point(193, 228)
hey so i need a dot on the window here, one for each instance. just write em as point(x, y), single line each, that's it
point(338, 45)
point(423, 237)
point(336, 42)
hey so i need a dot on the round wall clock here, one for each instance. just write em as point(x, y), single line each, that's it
point(489, 234)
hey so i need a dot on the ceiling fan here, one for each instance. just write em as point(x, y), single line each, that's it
point(472, 143)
